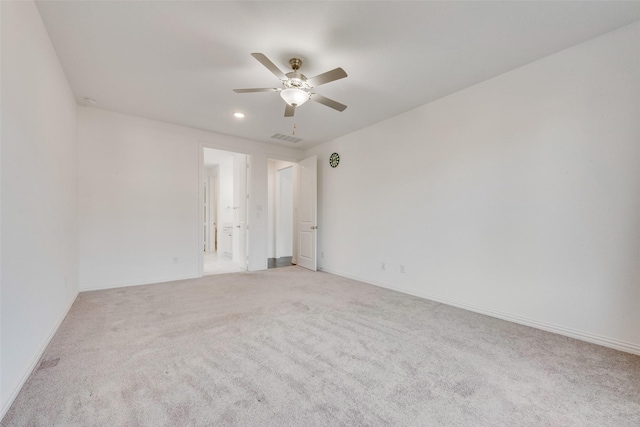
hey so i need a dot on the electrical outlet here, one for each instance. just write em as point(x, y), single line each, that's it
point(401, 268)
point(382, 266)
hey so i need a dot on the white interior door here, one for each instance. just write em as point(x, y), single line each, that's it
point(307, 213)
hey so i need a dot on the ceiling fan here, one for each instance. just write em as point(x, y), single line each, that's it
point(296, 87)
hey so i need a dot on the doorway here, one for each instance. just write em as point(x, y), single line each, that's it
point(281, 213)
point(224, 189)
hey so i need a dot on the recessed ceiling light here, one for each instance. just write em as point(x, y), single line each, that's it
point(90, 101)
point(238, 115)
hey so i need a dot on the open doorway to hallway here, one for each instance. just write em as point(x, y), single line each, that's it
point(281, 213)
point(225, 212)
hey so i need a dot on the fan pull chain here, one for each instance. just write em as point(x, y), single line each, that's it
point(294, 130)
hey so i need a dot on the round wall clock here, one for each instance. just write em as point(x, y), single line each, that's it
point(334, 159)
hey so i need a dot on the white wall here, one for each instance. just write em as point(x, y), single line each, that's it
point(140, 198)
point(139, 194)
point(2, 400)
point(39, 195)
point(257, 218)
point(518, 197)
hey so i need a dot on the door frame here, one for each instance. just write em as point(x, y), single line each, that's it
point(200, 233)
point(272, 207)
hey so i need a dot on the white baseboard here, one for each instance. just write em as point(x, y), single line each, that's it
point(149, 281)
point(34, 361)
point(560, 330)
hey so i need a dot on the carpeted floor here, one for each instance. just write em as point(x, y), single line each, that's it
point(288, 347)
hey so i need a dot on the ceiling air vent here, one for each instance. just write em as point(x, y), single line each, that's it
point(286, 138)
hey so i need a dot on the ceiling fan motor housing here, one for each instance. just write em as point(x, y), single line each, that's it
point(297, 80)
point(295, 63)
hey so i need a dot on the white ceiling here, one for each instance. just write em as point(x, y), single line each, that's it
point(179, 61)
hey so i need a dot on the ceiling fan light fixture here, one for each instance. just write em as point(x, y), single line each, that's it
point(294, 97)
point(296, 88)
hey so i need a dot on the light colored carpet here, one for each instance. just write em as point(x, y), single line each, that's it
point(288, 347)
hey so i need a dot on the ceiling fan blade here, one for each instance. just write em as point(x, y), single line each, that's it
point(328, 102)
point(289, 110)
point(270, 65)
point(262, 89)
point(327, 77)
